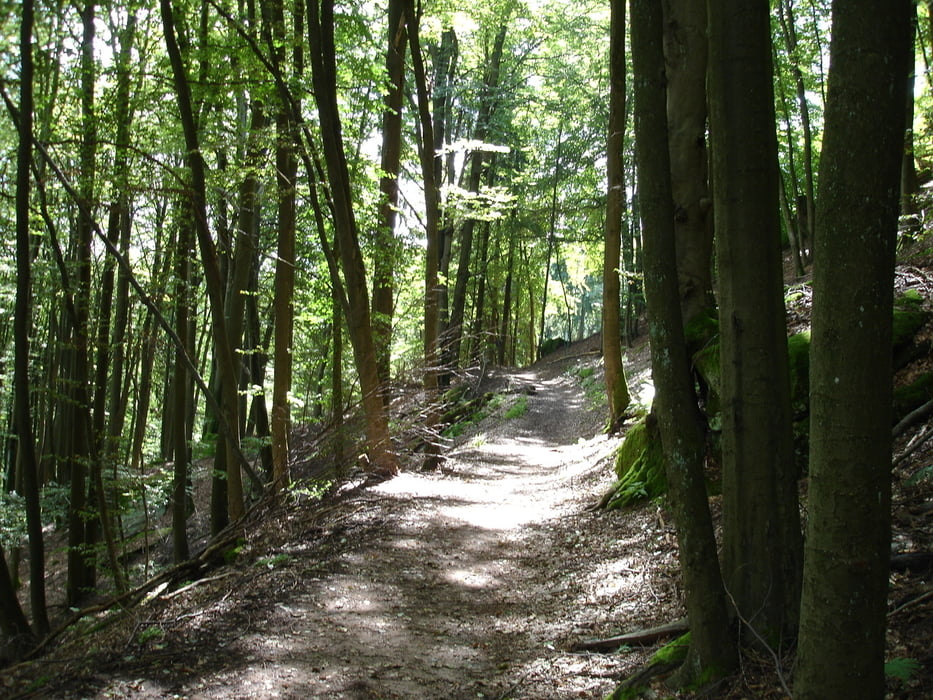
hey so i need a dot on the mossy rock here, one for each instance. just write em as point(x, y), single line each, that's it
point(913, 395)
point(700, 330)
point(909, 318)
point(706, 367)
point(639, 466)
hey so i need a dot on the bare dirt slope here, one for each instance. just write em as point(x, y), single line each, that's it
point(468, 582)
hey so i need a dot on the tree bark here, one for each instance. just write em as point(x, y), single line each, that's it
point(712, 646)
point(13, 622)
point(27, 462)
point(223, 351)
point(847, 553)
point(81, 529)
point(616, 385)
point(180, 396)
point(481, 132)
point(323, 62)
point(761, 522)
point(685, 49)
point(286, 169)
point(430, 173)
point(385, 238)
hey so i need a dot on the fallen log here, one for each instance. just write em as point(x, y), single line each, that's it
point(645, 636)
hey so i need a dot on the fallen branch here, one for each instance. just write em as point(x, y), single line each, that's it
point(198, 582)
point(913, 601)
point(914, 416)
point(915, 444)
point(646, 636)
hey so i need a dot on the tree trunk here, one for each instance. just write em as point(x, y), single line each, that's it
point(26, 461)
point(616, 384)
point(286, 169)
point(847, 553)
point(440, 131)
point(430, 172)
point(385, 238)
point(712, 647)
point(180, 396)
point(910, 185)
point(506, 340)
point(487, 107)
point(81, 529)
point(226, 364)
point(761, 522)
point(685, 61)
point(382, 459)
point(13, 622)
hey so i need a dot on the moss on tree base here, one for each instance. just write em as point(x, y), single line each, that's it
point(639, 467)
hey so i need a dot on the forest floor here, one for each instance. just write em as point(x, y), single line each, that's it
point(471, 581)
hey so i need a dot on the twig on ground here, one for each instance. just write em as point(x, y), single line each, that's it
point(913, 601)
point(764, 644)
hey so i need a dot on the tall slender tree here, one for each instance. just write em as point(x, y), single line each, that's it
point(761, 522)
point(712, 646)
point(685, 55)
point(286, 169)
point(384, 287)
point(26, 460)
point(227, 367)
point(358, 315)
point(847, 553)
point(616, 384)
point(489, 98)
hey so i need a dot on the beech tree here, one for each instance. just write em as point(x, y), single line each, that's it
point(847, 553)
point(14, 622)
point(685, 57)
point(712, 645)
point(323, 67)
point(616, 385)
point(761, 522)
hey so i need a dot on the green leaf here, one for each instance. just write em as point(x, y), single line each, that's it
point(902, 669)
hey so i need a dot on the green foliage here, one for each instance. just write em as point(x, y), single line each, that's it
point(922, 474)
point(798, 351)
point(310, 489)
point(594, 390)
point(902, 669)
point(551, 345)
point(231, 553)
point(273, 561)
point(706, 366)
point(149, 633)
point(517, 409)
point(12, 519)
point(463, 413)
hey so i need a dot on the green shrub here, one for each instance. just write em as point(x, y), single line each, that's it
point(519, 408)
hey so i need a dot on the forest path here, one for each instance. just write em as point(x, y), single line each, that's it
point(467, 582)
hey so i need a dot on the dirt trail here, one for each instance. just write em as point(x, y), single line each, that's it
point(469, 582)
